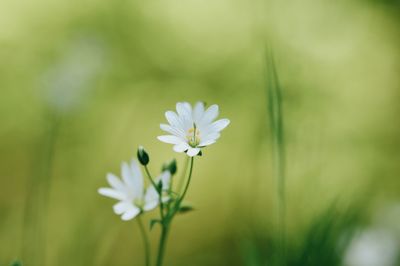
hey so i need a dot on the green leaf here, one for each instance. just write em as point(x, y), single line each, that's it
point(185, 209)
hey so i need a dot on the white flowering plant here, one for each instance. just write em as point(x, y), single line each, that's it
point(191, 129)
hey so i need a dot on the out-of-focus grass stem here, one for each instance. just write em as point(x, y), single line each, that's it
point(38, 190)
point(274, 97)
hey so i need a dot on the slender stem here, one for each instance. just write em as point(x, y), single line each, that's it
point(166, 221)
point(149, 176)
point(146, 242)
point(162, 245)
point(182, 179)
point(188, 181)
point(159, 192)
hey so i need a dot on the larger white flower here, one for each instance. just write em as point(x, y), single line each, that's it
point(192, 128)
point(133, 198)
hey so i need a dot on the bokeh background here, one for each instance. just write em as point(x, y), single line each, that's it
point(83, 83)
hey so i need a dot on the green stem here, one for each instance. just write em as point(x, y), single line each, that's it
point(162, 244)
point(182, 179)
point(145, 241)
point(150, 178)
point(159, 192)
point(188, 181)
point(165, 225)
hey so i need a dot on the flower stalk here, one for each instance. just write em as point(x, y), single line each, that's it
point(191, 129)
point(146, 242)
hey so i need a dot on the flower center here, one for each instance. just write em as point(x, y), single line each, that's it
point(138, 203)
point(193, 136)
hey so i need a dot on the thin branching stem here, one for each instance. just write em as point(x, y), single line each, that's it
point(162, 244)
point(146, 242)
point(149, 176)
point(166, 220)
point(182, 179)
point(158, 191)
point(188, 181)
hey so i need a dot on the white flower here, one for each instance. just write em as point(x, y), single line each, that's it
point(192, 129)
point(133, 199)
point(69, 81)
point(373, 247)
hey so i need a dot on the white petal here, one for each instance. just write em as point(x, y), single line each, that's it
point(187, 106)
point(126, 174)
point(115, 182)
point(181, 147)
point(210, 114)
point(210, 136)
point(121, 207)
point(133, 182)
point(137, 179)
point(220, 124)
point(185, 114)
point(170, 139)
point(130, 213)
point(184, 109)
point(165, 178)
point(173, 119)
point(112, 193)
point(198, 112)
point(207, 142)
point(150, 197)
point(193, 151)
point(173, 130)
point(150, 205)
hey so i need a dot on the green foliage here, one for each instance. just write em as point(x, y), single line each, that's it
point(338, 65)
point(322, 242)
point(326, 239)
point(16, 263)
point(184, 208)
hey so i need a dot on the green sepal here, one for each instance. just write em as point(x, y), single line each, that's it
point(159, 187)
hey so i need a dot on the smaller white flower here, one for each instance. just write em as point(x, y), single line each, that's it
point(133, 198)
point(373, 247)
point(192, 128)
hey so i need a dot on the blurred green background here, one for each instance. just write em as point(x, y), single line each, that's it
point(83, 83)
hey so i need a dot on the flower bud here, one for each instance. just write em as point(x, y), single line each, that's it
point(142, 155)
point(170, 166)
